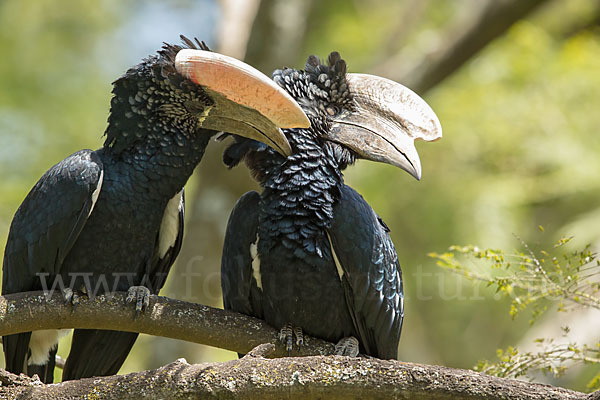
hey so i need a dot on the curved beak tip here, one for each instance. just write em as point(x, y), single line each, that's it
point(414, 169)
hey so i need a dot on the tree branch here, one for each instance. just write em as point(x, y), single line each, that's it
point(253, 376)
point(235, 25)
point(278, 33)
point(463, 43)
point(176, 319)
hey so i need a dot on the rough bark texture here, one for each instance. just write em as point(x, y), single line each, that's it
point(192, 322)
point(253, 377)
point(309, 377)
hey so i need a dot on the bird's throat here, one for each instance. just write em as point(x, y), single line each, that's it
point(299, 197)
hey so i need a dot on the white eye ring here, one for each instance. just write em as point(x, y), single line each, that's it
point(331, 110)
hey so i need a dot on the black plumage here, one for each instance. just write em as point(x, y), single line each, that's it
point(112, 219)
point(309, 250)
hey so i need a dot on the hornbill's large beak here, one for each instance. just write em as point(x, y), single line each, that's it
point(387, 119)
point(246, 102)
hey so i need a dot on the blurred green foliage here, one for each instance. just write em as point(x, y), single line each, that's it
point(520, 148)
point(556, 280)
point(53, 95)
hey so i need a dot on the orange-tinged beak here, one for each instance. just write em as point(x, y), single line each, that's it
point(247, 102)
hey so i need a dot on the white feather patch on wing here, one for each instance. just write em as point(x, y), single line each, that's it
point(96, 192)
point(402, 317)
point(256, 263)
point(338, 266)
point(169, 227)
point(42, 342)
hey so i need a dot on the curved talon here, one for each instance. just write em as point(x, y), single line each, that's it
point(71, 297)
point(299, 337)
point(141, 296)
point(286, 337)
point(67, 295)
point(75, 301)
point(347, 346)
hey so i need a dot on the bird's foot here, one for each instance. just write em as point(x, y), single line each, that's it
point(71, 297)
point(286, 336)
point(141, 296)
point(347, 346)
point(299, 337)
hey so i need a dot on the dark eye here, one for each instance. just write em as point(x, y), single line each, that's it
point(332, 110)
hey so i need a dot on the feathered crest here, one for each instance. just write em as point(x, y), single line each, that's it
point(335, 67)
point(169, 51)
point(160, 66)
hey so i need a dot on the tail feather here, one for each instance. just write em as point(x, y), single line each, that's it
point(16, 355)
point(16, 348)
point(46, 371)
point(97, 353)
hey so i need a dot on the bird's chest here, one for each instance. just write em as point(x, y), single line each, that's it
point(304, 290)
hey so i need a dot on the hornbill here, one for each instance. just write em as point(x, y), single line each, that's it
point(308, 254)
point(112, 219)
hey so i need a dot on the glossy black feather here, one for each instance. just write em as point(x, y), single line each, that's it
point(46, 371)
point(43, 231)
point(39, 240)
point(303, 212)
point(240, 291)
point(153, 143)
point(88, 342)
point(97, 352)
point(372, 277)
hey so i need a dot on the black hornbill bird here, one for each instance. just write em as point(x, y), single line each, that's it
point(112, 219)
point(309, 254)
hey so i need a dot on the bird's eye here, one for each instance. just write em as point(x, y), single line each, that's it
point(332, 110)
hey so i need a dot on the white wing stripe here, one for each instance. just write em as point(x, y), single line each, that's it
point(256, 263)
point(96, 192)
point(169, 227)
point(338, 265)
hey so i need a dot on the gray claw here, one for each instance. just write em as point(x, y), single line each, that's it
point(71, 297)
point(286, 336)
point(347, 346)
point(141, 296)
point(299, 337)
point(75, 301)
point(67, 295)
